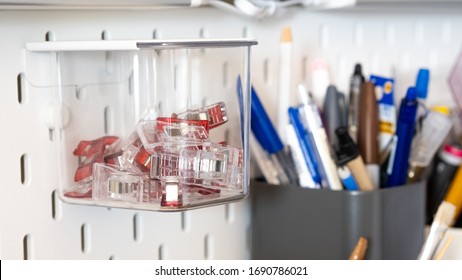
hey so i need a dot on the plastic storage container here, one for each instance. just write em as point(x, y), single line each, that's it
point(157, 125)
point(290, 222)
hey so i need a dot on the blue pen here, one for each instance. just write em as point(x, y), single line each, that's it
point(304, 142)
point(268, 138)
point(399, 160)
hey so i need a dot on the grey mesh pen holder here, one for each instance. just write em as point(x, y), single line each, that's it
point(290, 222)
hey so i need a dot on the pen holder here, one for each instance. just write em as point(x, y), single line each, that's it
point(290, 222)
point(146, 124)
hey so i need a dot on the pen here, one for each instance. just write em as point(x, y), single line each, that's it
point(285, 74)
point(399, 159)
point(312, 119)
point(348, 154)
point(304, 176)
point(265, 164)
point(334, 113)
point(309, 155)
point(368, 131)
point(355, 90)
point(268, 138)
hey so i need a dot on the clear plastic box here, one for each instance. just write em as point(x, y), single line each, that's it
point(157, 125)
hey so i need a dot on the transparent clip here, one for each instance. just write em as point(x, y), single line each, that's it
point(216, 164)
point(114, 183)
point(215, 114)
point(172, 133)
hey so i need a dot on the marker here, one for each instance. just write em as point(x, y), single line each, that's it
point(334, 112)
point(399, 160)
point(355, 91)
point(368, 131)
point(348, 154)
point(285, 74)
point(314, 124)
point(347, 179)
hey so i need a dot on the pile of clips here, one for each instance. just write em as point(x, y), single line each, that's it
point(169, 160)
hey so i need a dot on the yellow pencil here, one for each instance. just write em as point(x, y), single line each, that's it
point(454, 194)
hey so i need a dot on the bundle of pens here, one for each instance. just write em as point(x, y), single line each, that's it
point(363, 145)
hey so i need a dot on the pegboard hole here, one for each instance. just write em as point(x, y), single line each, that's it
point(208, 247)
point(27, 247)
point(21, 87)
point(107, 120)
point(156, 34)
point(246, 32)
point(324, 36)
point(137, 227)
point(230, 210)
point(266, 70)
point(162, 252)
point(248, 238)
point(225, 74)
point(50, 36)
point(105, 35)
point(203, 33)
point(228, 136)
point(55, 205)
point(85, 238)
point(24, 168)
point(51, 133)
point(112, 257)
point(304, 70)
point(186, 221)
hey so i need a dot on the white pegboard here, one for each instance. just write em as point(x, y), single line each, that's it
point(385, 42)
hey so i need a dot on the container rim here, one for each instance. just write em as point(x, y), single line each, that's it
point(127, 45)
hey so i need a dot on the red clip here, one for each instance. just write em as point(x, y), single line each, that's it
point(89, 148)
point(143, 160)
point(93, 151)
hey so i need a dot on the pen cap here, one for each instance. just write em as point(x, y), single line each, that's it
point(262, 127)
point(358, 71)
point(347, 149)
point(421, 84)
point(333, 113)
point(368, 128)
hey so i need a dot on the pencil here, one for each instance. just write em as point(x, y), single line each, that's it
point(284, 89)
point(360, 249)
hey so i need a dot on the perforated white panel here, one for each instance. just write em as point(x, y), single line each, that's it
point(36, 225)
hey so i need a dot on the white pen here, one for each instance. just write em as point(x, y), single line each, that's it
point(315, 127)
point(284, 90)
point(264, 162)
